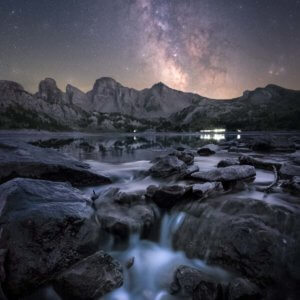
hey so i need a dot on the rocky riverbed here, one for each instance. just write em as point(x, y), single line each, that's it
point(195, 216)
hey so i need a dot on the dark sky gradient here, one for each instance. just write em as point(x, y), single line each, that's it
point(217, 48)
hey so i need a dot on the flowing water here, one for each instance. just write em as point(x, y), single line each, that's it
point(125, 159)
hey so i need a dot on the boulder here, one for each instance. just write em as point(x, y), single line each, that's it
point(266, 164)
point(288, 171)
point(206, 189)
point(168, 196)
point(228, 162)
point(292, 185)
point(18, 159)
point(124, 213)
point(239, 289)
point(90, 278)
point(189, 281)
point(227, 174)
point(186, 156)
point(168, 166)
point(207, 150)
point(46, 228)
point(254, 239)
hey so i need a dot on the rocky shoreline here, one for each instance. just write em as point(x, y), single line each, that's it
point(53, 234)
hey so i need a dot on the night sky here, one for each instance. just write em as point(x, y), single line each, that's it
point(217, 48)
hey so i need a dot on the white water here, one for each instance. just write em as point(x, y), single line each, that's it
point(154, 264)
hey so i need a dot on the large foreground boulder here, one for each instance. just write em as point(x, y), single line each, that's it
point(18, 159)
point(190, 281)
point(46, 228)
point(227, 174)
point(90, 278)
point(255, 240)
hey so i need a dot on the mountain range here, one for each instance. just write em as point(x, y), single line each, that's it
point(109, 106)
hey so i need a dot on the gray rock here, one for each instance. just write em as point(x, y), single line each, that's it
point(90, 278)
point(266, 164)
point(124, 213)
point(288, 171)
point(186, 156)
point(189, 281)
point(292, 185)
point(168, 196)
point(46, 228)
point(207, 150)
point(18, 159)
point(249, 237)
point(232, 173)
point(207, 189)
point(168, 166)
point(228, 162)
point(240, 289)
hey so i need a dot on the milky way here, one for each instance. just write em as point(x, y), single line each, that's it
point(216, 48)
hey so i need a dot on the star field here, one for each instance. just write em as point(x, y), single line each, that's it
point(217, 48)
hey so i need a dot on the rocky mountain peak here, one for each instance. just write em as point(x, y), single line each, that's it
point(105, 83)
point(49, 91)
point(10, 85)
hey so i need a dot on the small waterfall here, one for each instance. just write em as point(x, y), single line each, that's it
point(154, 265)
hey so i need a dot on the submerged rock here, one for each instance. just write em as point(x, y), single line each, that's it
point(90, 278)
point(46, 228)
point(232, 173)
point(18, 159)
point(168, 166)
point(124, 213)
point(207, 150)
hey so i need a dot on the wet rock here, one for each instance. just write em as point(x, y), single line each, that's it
point(240, 289)
point(130, 263)
point(227, 174)
point(249, 237)
point(228, 162)
point(288, 171)
point(46, 228)
point(124, 213)
point(90, 278)
point(168, 196)
point(207, 150)
point(189, 171)
point(168, 166)
point(206, 189)
point(239, 150)
point(292, 185)
point(18, 159)
point(189, 281)
point(265, 164)
point(186, 156)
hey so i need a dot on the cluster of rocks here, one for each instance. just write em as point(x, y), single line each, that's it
point(51, 232)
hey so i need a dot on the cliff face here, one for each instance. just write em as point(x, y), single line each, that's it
point(111, 106)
